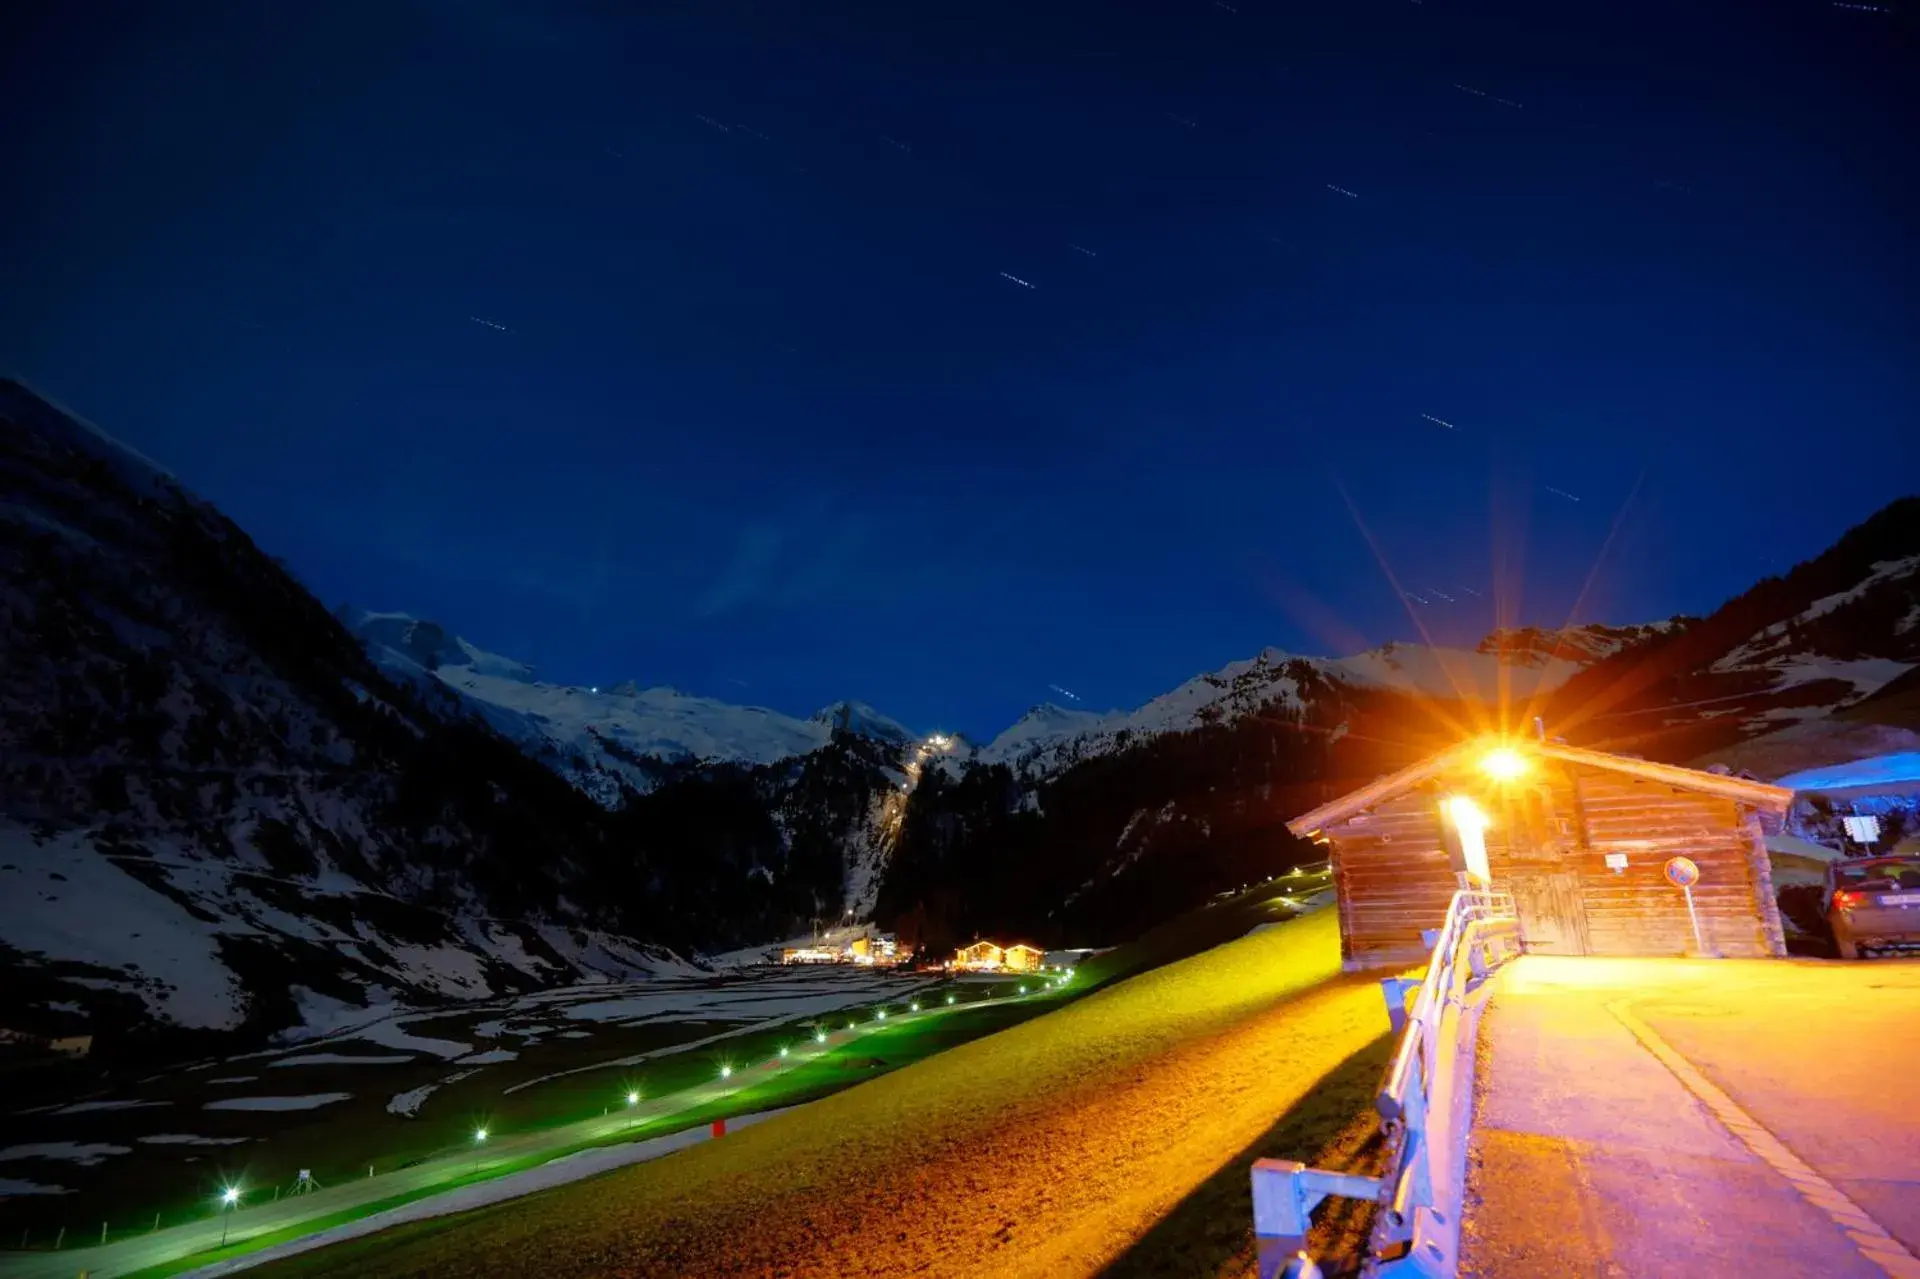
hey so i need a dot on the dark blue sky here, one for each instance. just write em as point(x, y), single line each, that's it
point(766, 421)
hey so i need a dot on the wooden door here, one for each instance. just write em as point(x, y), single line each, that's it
point(1552, 919)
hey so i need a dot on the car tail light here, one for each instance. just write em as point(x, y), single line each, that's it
point(1847, 901)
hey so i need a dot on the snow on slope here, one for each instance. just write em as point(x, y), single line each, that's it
point(604, 738)
point(162, 929)
point(1774, 647)
point(1048, 737)
point(1452, 674)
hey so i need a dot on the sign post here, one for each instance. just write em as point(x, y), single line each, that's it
point(1683, 874)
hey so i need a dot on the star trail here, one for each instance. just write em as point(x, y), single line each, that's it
point(1011, 345)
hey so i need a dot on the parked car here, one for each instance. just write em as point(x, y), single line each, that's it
point(1873, 904)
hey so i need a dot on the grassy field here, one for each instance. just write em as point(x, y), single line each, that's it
point(513, 1066)
point(1057, 1146)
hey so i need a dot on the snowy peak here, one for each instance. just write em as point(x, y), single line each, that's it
point(861, 719)
point(607, 741)
point(1048, 737)
point(1535, 646)
point(429, 646)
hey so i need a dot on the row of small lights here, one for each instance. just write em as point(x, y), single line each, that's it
point(230, 1195)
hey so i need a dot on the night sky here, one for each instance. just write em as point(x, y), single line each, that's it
point(936, 352)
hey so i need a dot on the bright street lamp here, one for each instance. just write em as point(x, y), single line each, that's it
point(228, 1199)
point(1503, 764)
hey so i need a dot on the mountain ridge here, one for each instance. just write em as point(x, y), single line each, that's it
point(298, 811)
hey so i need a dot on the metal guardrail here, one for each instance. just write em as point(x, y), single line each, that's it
point(1425, 1106)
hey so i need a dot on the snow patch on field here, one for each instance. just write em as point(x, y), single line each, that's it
point(86, 1154)
point(492, 1056)
point(15, 1186)
point(392, 1033)
point(88, 1107)
point(188, 1139)
point(312, 1101)
point(343, 1059)
point(408, 1103)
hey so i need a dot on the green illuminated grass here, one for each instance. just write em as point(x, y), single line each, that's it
point(903, 1040)
point(1075, 1081)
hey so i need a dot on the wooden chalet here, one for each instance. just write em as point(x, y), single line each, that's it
point(981, 954)
point(1022, 958)
point(1581, 839)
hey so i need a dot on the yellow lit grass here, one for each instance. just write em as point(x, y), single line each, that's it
point(1052, 1147)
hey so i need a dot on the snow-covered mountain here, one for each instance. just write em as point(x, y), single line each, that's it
point(607, 741)
point(1804, 648)
point(221, 808)
point(216, 813)
point(1048, 738)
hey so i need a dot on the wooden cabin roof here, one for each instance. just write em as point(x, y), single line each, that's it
point(1759, 795)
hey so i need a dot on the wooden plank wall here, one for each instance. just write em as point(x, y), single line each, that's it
point(1394, 878)
point(1636, 912)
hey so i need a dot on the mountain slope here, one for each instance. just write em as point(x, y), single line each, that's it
point(215, 812)
point(1079, 829)
point(606, 741)
point(1827, 636)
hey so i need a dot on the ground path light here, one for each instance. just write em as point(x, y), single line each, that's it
point(228, 1198)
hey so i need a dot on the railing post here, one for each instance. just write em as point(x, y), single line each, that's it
point(1280, 1218)
point(1422, 1089)
point(1395, 990)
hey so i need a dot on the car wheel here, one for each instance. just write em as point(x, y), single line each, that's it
point(1847, 949)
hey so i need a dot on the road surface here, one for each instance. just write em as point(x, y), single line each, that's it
point(497, 1154)
point(1698, 1117)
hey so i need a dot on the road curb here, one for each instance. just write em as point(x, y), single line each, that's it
point(1867, 1235)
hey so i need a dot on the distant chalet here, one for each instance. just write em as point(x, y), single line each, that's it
point(990, 957)
point(1580, 838)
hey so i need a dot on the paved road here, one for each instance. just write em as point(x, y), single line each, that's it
point(1698, 1117)
point(500, 1150)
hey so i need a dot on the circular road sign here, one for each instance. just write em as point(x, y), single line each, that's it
point(1681, 872)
